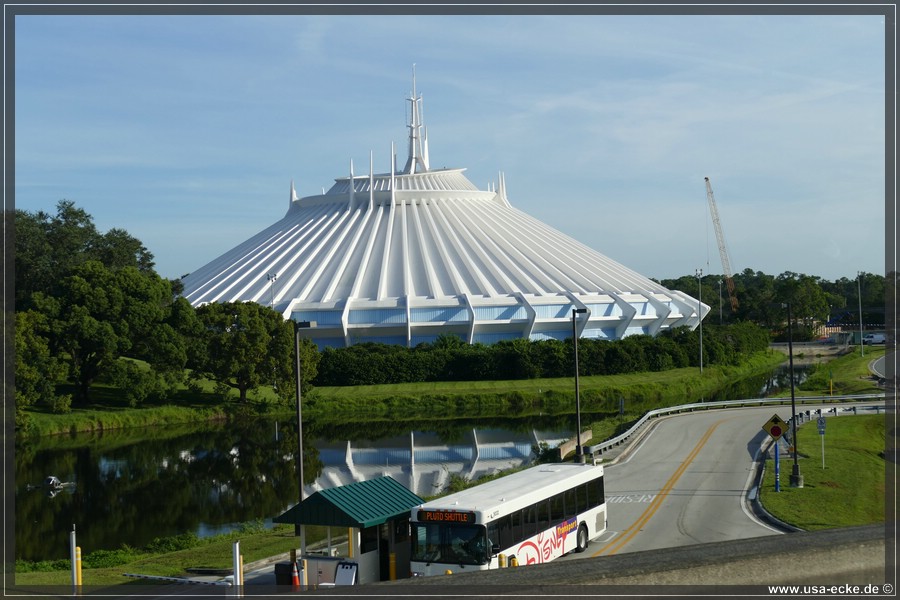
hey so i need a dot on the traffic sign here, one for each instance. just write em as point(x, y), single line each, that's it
point(821, 423)
point(775, 427)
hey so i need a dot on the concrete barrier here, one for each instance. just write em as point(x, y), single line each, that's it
point(853, 555)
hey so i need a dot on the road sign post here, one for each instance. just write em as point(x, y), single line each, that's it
point(821, 423)
point(776, 428)
point(777, 469)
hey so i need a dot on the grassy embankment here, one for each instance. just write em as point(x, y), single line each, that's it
point(255, 546)
point(410, 402)
point(848, 491)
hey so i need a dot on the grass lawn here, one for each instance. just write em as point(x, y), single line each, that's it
point(848, 491)
point(215, 554)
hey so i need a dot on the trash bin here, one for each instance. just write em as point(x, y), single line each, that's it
point(283, 573)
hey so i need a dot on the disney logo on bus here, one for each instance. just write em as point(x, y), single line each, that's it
point(445, 516)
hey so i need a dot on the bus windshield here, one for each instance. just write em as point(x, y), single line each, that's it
point(449, 543)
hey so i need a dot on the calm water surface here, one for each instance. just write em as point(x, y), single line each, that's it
point(134, 486)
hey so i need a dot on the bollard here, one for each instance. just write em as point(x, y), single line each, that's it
point(304, 580)
point(448, 572)
point(392, 566)
point(501, 561)
point(78, 565)
point(513, 561)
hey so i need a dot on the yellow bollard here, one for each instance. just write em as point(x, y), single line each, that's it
point(78, 565)
point(241, 570)
point(501, 561)
point(304, 580)
point(349, 542)
point(448, 572)
point(392, 566)
point(513, 561)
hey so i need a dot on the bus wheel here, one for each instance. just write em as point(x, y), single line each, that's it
point(582, 539)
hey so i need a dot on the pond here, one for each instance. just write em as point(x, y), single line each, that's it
point(131, 487)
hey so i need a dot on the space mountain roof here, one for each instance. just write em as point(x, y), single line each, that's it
point(405, 256)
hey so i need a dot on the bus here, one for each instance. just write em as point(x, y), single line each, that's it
point(534, 516)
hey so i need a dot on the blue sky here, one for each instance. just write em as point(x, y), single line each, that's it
point(187, 130)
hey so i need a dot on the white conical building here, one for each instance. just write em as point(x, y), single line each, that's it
point(406, 256)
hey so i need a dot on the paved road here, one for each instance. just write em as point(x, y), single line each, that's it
point(686, 481)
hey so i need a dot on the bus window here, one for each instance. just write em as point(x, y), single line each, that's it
point(595, 492)
point(557, 509)
point(516, 522)
point(493, 533)
point(571, 505)
point(543, 515)
point(506, 535)
point(529, 523)
point(466, 545)
point(426, 542)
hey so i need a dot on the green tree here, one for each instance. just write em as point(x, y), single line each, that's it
point(99, 315)
point(809, 304)
point(37, 370)
point(244, 345)
point(50, 247)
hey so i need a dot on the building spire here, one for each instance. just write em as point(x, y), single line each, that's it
point(418, 142)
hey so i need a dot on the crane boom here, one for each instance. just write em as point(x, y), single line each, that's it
point(723, 251)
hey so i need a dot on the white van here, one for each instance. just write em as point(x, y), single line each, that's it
point(873, 338)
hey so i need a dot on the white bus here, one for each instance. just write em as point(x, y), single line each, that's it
point(535, 515)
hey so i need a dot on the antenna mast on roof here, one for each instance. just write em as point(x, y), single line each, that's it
point(418, 137)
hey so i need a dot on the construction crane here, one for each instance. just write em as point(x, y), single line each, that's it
point(723, 251)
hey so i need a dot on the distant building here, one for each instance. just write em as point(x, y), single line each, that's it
point(405, 256)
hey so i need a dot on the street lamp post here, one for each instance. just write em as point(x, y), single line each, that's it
point(720, 302)
point(579, 454)
point(298, 325)
point(700, 312)
point(862, 344)
point(796, 479)
point(271, 277)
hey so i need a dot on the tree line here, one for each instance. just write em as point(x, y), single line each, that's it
point(449, 358)
point(90, 309)
point(814, 301)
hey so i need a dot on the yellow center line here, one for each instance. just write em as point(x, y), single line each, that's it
point(616, 544)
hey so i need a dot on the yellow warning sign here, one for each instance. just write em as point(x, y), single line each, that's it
point(775, 427)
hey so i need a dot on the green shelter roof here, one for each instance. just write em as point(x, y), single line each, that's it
point(360, 504)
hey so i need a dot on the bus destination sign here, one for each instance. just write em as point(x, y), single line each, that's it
point(446, 516)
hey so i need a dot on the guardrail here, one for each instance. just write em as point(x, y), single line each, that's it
point(601, 447)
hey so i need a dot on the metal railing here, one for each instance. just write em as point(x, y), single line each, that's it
point(610, 443)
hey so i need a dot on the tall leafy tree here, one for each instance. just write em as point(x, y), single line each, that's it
point(37, 370)
point(99, 315)
point(50, 246)
point(245, 345)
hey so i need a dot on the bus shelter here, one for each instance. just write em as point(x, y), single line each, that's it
point(375, 515)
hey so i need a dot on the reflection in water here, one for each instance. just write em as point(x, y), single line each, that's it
point(133, 490)
point(423, 462)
